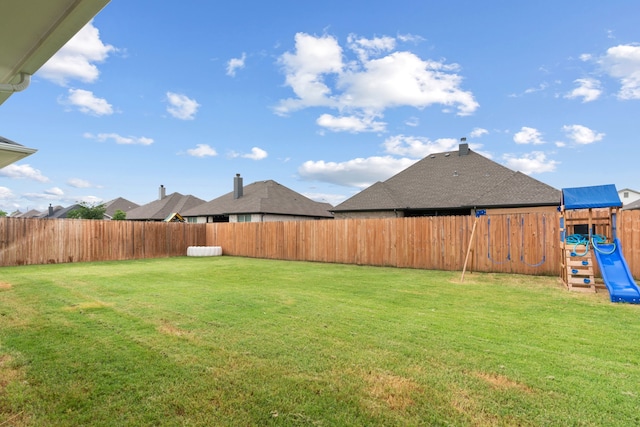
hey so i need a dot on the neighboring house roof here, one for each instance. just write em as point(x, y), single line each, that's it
point(58, 212)
point(28, 214)
point(628, 189)
point(632, 206)
point(453, 180)
point(159, 209)
point(265, 197)
point(120, 204)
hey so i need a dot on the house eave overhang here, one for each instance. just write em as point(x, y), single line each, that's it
point(11, 153)
point(28, 40)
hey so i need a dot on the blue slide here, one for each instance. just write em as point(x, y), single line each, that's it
point(615, 272)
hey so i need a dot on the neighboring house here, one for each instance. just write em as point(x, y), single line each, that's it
point(632, 206)
point(119, 204)
point(628, 196)
point(452, 183)
point(262, 201)
point(164, 207)
point(58, 212)
point(28, 214)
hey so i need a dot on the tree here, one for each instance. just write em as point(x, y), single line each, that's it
point(88, 211)
point(119, 215)
point(3, 213)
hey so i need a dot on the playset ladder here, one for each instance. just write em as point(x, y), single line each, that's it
point(578, 269)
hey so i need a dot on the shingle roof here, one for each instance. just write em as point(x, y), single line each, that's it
point(268, 197)
point(29, 214)
point(158, 210)
point(4, 140)
point(119, 204)
point(59, 212)
point(449, 181)
point(632, 206)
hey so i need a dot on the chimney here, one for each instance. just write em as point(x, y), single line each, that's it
point(464, 147)
point(237, 186)
point(162, 193)
point(50, 210)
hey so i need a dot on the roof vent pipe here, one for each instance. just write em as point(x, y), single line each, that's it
point(162, 193)
point(237, 186)
point(25, 79)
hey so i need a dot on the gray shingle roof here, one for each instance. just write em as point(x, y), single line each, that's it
point(4, 140)
point(449, 181)
point(632, 206)
point(158, 210)
point(119, 204)
point(59, 212)
point(267, 197)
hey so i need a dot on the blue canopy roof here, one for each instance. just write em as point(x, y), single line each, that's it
point(599, 196)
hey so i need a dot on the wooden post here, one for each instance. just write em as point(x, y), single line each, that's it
point(466, 258)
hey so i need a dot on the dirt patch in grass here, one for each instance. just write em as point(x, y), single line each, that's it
point(5, 286)
point(91, 305)
point(393, 391)
point(170, 329)
point(9, 374)
point(463, 402)
point(502, 382)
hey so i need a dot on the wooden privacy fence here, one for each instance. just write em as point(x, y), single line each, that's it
point(49, 241)
point(510, 243)
point(516, 243)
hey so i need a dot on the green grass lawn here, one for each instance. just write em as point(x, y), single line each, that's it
point(234, 341)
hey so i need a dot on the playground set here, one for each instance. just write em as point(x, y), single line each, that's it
point(587, 230)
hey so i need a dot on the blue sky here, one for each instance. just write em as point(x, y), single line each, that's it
point(325, 98)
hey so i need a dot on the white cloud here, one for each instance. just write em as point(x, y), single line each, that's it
point(320, 76)
point(88, 103)
point(478, 132)
point(77, 59)
point(358, 172)
point(350, 124)
point(235, 64)
point(623, 62)
point(534, 162)
point(119, 139)
point(79, 183)
point(54, 191)
point(412, 121)
point(541, 87)
point(588, 89)
point(403, 79)
point(417, 147)
point(528, 135)
point(305, 69)
point(6, 194)
point(256, 154)
point(182, 107)
point(24, 171)
point(582, 134)
point(202, 150)
point(410, 38)
point(332, 199)
point(367, 47)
